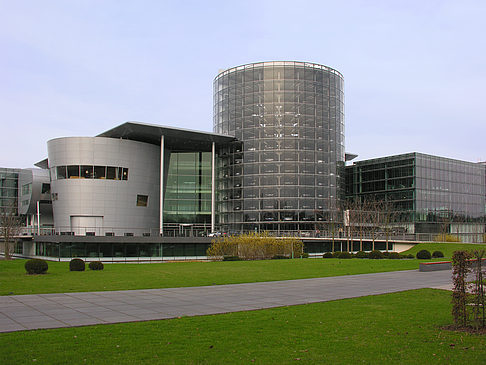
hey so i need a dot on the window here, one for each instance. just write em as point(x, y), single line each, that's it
point(100, 172)
point(87, 172)
point(73, 172)
point(61, 172)
point(111, 173)
point(124, 173)
point(90, 172)
point(142, 200)
point(46, 188)
point(26, 189)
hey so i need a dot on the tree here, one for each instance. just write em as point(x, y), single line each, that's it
point(461, 267)
point(389, 216)
point(479, 318)
point(9, 228)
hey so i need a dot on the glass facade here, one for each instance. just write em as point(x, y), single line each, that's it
point(430, 191)
point(391, 179)
point(89, 172)
point(188, 188)
point(449, 186)
point(120, 250)
point(9, 181)
point(286, 172)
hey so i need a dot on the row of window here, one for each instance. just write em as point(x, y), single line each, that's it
point(89, 172)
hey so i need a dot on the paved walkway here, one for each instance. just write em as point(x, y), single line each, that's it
point(25, 312)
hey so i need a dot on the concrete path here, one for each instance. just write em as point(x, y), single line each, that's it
point(26, 312)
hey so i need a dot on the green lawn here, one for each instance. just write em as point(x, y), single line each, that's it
point(14, 280)
point(446, 248)
point(393, 328)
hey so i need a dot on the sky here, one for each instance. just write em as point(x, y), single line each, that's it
point(414, 71)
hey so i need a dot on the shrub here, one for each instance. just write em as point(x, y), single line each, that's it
point(385, 254)
point(375, 254)
point(410, 256)
point(424, 255)
point(393, 255)
point(437, 254)
point(328, 255)
point(76, 265)
point(343, 255)
point(304, 255)
point(231, 258)
point(361, 255)
point(447, 238)
point(280, 257)
point(36, 266)
point(254, 246)
point(96, 265)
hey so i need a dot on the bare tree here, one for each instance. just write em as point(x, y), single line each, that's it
point(9, 228)
point(389, 217)
point(479, 318)
point(376, 208)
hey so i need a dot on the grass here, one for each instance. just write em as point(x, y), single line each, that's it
point(393, 328)
point(446, 248)
point(14, 280)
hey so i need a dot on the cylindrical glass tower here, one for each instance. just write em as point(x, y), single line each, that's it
point(286, 172)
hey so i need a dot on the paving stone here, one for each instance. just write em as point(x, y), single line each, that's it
point(19, 312)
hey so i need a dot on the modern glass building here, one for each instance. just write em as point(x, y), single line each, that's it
point(275, 162)
point(431, 194)
point(188, 192)
point(285, 172)
point(9, 190)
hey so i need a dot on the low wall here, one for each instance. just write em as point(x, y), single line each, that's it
point(435, 266)
point(444, 265)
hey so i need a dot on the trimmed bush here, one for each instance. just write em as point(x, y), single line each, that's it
point(375, 255)
point(304, 255)
point(393, 255)
point(328, 255)
point(361, 255)
point(437, 254)
point(96, 265)
point(231, 258)
point(424, 255)
point(343, 255)
point(386, 254)
point(36, 266)
point(76, 265)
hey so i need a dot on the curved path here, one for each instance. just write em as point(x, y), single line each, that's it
point(26, 312)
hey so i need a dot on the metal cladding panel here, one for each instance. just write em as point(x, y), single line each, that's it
point(115, 200)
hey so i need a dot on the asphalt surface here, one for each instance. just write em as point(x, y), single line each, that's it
point(27, 312)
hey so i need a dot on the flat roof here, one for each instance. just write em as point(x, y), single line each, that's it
point(175, 138)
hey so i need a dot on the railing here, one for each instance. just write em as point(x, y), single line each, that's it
point(204, 230)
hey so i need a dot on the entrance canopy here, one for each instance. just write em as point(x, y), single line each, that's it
point(175, 138)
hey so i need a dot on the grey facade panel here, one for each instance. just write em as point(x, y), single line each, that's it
point(102, 204)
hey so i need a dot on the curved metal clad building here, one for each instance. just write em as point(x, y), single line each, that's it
point(286, 171)
point(104, 185)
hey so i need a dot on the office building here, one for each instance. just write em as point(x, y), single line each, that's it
point(431, 195)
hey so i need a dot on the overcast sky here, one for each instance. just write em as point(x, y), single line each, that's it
point(414, 71)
